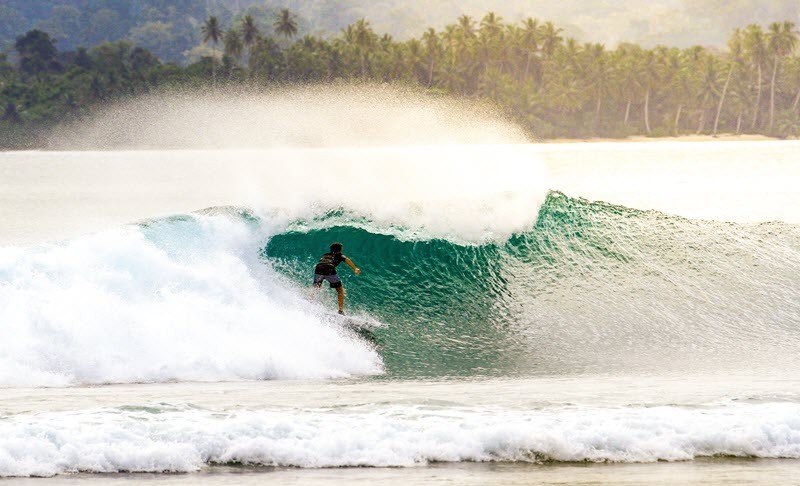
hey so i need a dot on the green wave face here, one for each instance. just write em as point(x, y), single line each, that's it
point(590, 288)
point(436, 297)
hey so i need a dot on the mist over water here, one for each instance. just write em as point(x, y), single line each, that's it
point(300, 117)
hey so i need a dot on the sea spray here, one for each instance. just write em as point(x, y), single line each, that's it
point(344, 115)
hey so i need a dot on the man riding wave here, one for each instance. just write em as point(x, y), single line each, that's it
point(326, 271)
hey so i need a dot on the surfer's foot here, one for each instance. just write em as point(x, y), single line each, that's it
point(341, 312)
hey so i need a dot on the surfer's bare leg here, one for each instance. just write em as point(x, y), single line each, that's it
point(315, 288)
point(340, 291)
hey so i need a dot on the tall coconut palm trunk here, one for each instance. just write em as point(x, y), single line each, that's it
point(647, 111)
point(702, 123)
point(796, 101)
point(214, 66)
point(212, 33)
point(598, 119)
point(678, 120)
point(739, 124)
point(772, 94)
point(722, 100)
point(627, 112)
point(757, 107)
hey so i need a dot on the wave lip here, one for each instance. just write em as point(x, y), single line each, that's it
point(183, 440)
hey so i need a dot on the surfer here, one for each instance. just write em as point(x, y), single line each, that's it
point(326, 270)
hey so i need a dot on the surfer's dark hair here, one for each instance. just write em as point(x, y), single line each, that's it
point(336, 247)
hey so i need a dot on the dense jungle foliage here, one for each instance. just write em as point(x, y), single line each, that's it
point(547, 81)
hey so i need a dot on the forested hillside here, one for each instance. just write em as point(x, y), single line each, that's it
point(549, 82)
point(170, 28)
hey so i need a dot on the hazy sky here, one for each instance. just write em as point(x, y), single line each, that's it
point(671, 22)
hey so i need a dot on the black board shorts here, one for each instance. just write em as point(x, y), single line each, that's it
point(333, 280)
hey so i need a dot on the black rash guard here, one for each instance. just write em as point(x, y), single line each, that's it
point(328, 262)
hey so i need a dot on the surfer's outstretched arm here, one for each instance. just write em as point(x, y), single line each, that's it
point(352, 265)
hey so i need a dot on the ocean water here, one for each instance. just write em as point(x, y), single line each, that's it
point(580, 313)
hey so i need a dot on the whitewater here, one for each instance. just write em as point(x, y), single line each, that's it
point(540, 305)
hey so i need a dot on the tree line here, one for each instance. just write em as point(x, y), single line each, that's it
point(550, 83)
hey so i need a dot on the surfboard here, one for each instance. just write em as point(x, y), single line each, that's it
point(358, 322)
point(363, 325)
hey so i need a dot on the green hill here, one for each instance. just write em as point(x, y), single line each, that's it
point(170, 28)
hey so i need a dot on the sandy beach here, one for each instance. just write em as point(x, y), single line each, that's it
point(722, 137)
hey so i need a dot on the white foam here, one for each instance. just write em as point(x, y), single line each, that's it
point(179, 300)
point(111, 440)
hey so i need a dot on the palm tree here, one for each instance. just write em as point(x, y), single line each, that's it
point(632, 76)
point(569, 56)
point(467, 26)
point(794, 69)
point(550, 39)
point(286, 25)
point(212, 32)
point(735, 45)
point(738, 92)
point(397, 61)
point(250, 33)
point(511, 48)
point(491, 25)
point(233, 44)
point(490, 39)
point(415, 59)
point(451, 38)
point(651, 75)
point(265, 58)
point(364, 38)
point(433, 49)
point(708, 88)
point(781, 41)
point(681, 89)
point(672, 77)
point(601, 76)
point(567, 96)
point(530, 42)
point(756, 51)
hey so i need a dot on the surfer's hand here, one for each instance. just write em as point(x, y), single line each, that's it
point(358, 271)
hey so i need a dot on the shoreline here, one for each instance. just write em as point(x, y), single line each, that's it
point(723, 137)
point(701, 470)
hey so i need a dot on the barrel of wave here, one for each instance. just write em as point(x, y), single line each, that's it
point(590, 287)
